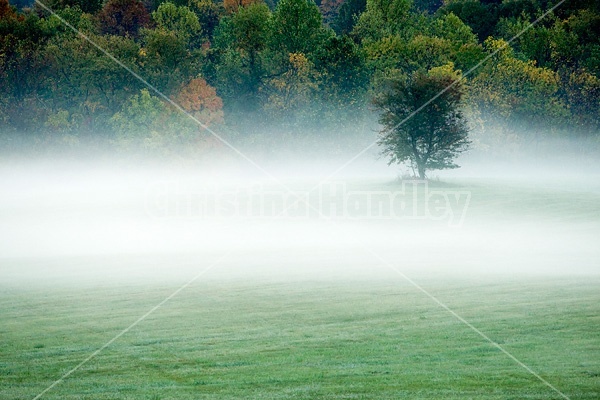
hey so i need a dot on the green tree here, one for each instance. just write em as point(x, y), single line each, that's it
point(166, 59)
point(147, 124)
point(385, 54)
point(292, 94)
point(510, 88)
point(581, 39)
point(451, 28)
point(209, 14)
point(534, 43)
point(439, 40)
point(163, 49)
point(62, 126)
point(465, 51)
point(240, 44)
point(341, 98)
point(348, 15)
point(88, 6)
point(297, 37)
point(179, 20)
point(480, 16)
point(583, 96)
point(427, 138)
point(343, 71)
point(152, 5)
point(384, 18)
point(144, 123)
point(22, 64)
point(171, 52)
point(84, 81)
point(296, 27)
point(425, 52)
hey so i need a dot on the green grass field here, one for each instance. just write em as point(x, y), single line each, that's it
point(333, 323)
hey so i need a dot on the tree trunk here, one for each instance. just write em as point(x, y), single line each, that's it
point(421, 169)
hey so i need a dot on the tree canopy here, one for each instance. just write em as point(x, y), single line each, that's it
point(422, 118)
point(296, 67)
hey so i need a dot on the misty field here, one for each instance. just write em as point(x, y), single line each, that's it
point(273, 339)
point(206, 199)
point(297, 314)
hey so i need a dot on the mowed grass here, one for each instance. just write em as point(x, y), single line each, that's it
point(310, 323)
point(247, 338)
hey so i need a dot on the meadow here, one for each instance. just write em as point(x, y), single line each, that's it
point(306, 318)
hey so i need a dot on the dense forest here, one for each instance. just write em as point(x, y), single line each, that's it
point(267, 72)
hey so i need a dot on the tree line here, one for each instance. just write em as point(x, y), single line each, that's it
point(291, 68)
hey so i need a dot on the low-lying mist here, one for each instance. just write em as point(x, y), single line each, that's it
point(113, 218)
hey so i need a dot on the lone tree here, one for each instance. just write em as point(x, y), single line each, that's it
point(427, 138)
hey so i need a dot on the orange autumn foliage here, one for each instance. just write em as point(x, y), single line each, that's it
point(201, 100)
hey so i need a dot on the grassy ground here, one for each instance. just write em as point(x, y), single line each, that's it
point(373, 338)
point(323, 323)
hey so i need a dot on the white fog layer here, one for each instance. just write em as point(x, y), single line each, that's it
point(465, 223)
